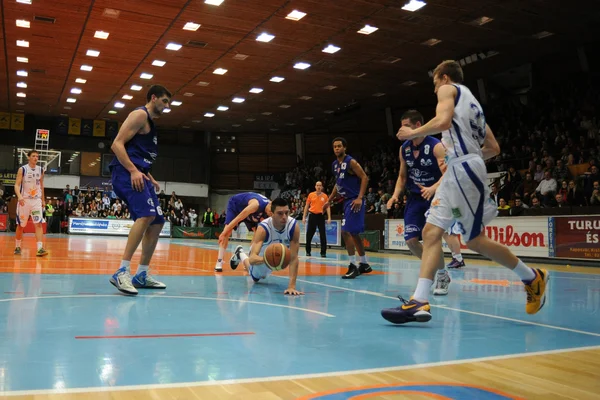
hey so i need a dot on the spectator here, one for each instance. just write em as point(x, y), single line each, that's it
point(502, 205)
point(547, 187)
point(595, 197)
point(208, 219)
point(575, 197)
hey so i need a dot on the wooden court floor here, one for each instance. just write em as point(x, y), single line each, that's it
point(480, 344)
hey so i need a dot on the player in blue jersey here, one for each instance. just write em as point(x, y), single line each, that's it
point(249, 208)
point(463, 198)
point(351, 184)
point(421, 164)
point(136, 148)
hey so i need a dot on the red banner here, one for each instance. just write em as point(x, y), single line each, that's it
point(577, 237)
point(3, 222)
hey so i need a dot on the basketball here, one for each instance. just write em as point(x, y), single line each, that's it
point(277, 256)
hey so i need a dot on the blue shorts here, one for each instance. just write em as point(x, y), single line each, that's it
point(140, 204)
point(353, 222)
point(414, 216)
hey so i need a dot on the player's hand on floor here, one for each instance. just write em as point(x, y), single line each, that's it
point(293, 292)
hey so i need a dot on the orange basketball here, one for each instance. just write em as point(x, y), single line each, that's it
point(277, 256)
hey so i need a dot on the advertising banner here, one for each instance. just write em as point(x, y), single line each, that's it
point(576, 237)
point(116, 227)
point(3, 222)
point(197, 232)
point(525, 236)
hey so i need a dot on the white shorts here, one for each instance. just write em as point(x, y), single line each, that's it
point(462, 203)
point(33, 208)
point(259, 271)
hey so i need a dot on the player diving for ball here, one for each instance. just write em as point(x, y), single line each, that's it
point(249, 208)
point(279, 228)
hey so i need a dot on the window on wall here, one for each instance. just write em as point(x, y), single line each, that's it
point(90, 164)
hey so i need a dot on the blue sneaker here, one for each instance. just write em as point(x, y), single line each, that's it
point(145, 280)
point(122, 281)
point(456, 264)
point(410, 311)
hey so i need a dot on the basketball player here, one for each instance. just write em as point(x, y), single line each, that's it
point(351, 184)
point(462, 197)
point(279, 228)
point(29, 188)
point(314, 203)
point(249, 208)
point(136, 148)
point(420, 173)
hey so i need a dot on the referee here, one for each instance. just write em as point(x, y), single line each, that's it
point(314, 204)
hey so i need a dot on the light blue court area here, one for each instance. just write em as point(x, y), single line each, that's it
point(75, 331)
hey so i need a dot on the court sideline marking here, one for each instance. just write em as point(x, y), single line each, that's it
point(170, 297)
point(377, 294)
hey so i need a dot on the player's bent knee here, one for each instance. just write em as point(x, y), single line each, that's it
point(432, 233)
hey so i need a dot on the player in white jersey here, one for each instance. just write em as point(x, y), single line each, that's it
point(463, 198)
point(29, 188)
point(279, 228)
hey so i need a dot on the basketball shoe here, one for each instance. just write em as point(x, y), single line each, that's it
point(235, 259)
point(536, 291)
point(410, 311)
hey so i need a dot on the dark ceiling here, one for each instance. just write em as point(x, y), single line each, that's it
point(386, 67)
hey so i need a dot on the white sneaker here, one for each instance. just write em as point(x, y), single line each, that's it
point(122, 281)
point(147, 281)
point(442, 283)
point(219, 267)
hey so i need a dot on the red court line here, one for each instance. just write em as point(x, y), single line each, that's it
point(13, 292)
point(166, 336)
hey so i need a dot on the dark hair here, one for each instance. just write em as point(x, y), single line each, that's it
point(450, 68)
point(158, 91)
point(30, 152)
point(414, 116)
point(278, 202)
point(340, 139)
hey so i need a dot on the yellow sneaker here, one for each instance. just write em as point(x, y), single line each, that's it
point(536, 291)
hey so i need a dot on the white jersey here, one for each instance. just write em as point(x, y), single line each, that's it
point(274, 236)
point(31, 186)
point(467, 133)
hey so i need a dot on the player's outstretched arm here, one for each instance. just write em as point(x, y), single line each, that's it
point(294, 247)
point(442, 121)
point(490, 147)
point(257, 242)
point(251, 208)
point(440, 154)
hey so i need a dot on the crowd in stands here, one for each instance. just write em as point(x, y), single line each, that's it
point(550, 145)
